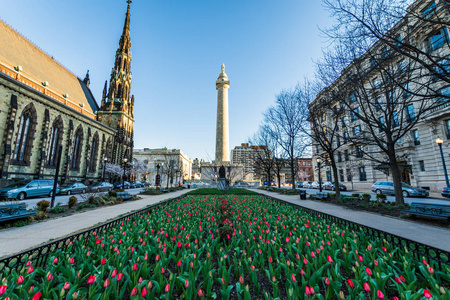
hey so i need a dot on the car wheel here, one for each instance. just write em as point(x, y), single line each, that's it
point(50, 194)
point(378, 192)
point(405, 194)
point(69, 192)
point(21, 196)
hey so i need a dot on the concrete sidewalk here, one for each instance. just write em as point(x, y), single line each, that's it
point(425, 234)
point(17, 239)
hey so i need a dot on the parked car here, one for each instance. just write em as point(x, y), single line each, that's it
point(446, 192)
point(118, 185)
point(28, 188)
point(315, 185)
point(145, 183)
point(101, 187)
point(135, 184)
point(73, 188)
point(307, 184)
point(330, 186)
point(387, 187)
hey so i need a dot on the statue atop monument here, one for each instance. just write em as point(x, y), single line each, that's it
point(223, 68)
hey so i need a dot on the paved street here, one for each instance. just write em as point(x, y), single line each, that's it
point(432, 199)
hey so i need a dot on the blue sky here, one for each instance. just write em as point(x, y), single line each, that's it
point(178, 48)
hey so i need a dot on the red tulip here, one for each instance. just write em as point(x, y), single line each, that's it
point(3, 289)
point(270, 259)
point(30, 270)
point(360, 258)
point(427, 294)
point(103, 261)
point(71, 260)
point(29, 263)
point(134, 292)
point(66, 286)
point(30, 289)
point(350, 283)
point(293, 277)
point(119, 277)
point(327, 281)
point(200, 293)
point(179, 263)
point(186, 283)
point(366, 287)
point(167, 289)
point(402, 278)
point(330, 260)
point(55, 260)
point(368, 272)
point(241, 280)
point(162, 270)
point(311, 289)
point(20, 279)
point(307, 290)
point(430, 269)
point(397, 280)
point(49, 276)
point(91, 279)
point(114, 273)
point(135, 267)
point(395, 298)
point(312, 254)
point(144, 292)
point(106, 283)
point(37, 296)
point(380, 294)
point(140, 279)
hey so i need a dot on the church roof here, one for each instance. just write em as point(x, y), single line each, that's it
point(39, 67)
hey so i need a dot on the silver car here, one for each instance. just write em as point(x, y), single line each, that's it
point(387, 187)
point(307, 184)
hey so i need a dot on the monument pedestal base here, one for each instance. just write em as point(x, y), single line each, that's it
point(222, 184)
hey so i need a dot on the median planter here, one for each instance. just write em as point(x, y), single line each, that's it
point(222, 247)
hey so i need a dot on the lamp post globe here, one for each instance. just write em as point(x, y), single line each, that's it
point(125, 160)
point(105, 159)
point(439, 141)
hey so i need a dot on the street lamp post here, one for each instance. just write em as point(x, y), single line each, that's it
point(104, 166)
point(158, 178)
point(124, 169)
point(439, 141)
point(319, 160)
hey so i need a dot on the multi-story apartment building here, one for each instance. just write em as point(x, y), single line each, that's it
point(304, 169)
point(173, 166)
point(246, 155)
point(400, 93)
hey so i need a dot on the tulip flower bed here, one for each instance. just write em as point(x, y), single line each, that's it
point(228, 247)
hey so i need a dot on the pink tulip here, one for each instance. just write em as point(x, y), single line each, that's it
point(119, 276)
point(106, 283)
point(162, 270)
point(91, 279)
point(330, 260)
point(30, 270)
point(55, 260)
point(134, 292)
point(366, 287)
point(114, 273)
point(241, 280)
point(327, 281)
point(3, 289)
point(37, 296)
point(427, 294)
point(134, 267)
point(167, 288)
point(49, 276)
point(20, 280)
point(380, 294)
point(293, 277)
point(307, 291)
point(402, 278)
point(200, 293)
point(71, 260)
point(369, 272)
point(144, 292)
point(186, 283)
point(66, 286)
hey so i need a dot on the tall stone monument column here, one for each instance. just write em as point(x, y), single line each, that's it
point(222, 132)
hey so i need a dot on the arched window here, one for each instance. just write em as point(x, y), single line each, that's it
point(27, 126)
point(93, 156)
point(77, 146)
point(56, 134)
point(108, 150)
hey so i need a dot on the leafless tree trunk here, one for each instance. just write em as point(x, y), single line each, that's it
point(264, 160)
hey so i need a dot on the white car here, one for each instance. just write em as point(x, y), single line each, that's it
point(315, 185)
point(307, 184)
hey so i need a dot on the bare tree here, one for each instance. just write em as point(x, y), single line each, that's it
point(264, 160)
point(288, 123)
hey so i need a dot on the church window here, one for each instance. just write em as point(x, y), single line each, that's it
point(77, 145)
point(22, 150)
point(93, 161)
point(54, 142)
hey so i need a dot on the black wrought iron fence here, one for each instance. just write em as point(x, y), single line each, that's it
point(39, 255)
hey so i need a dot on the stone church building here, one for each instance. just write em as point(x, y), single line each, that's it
point(43, 106)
